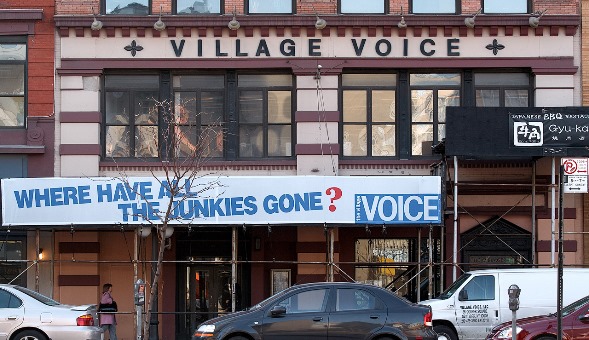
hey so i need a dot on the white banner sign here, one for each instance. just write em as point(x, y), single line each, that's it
point(575, 175)
point(223, 200)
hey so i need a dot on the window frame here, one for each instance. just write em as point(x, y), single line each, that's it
point(503, 88)
point(292, 11)
point(221, 9)
point(132, 125)
point(369, 123)
point(436, 121)
point(457, 9)
point(386, 9)
point(528, 8)
point(24, 41)
point(103, 9)
point(198, 125)
point(265, 125)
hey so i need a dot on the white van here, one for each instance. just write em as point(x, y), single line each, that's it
point(478, 300)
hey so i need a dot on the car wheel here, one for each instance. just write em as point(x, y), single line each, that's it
point(30, 334)
point(238, 338)
point(445, 333)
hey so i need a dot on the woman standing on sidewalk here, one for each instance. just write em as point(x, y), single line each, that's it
point(108, 321)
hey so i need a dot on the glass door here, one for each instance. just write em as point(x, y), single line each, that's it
point(208, 294)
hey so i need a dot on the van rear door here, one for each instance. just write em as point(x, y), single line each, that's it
point(477, 306)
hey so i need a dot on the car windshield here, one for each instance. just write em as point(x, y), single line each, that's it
point(37, 296)
point(454, 287)
point(573, 307)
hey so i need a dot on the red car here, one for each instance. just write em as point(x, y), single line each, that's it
point(575, 325)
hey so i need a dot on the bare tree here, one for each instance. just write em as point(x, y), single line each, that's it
point(175, 152)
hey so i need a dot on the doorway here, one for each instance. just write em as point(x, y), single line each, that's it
point(208, 294)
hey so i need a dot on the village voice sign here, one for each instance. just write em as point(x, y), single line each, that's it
point(233, 200)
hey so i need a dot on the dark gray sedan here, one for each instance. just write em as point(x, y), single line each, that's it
point(319, 311)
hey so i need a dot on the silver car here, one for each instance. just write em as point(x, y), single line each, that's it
point(28, 315)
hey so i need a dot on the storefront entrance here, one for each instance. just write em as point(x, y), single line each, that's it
point(207, 295)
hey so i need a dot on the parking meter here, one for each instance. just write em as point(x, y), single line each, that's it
point(139, 293)
point(513, 292)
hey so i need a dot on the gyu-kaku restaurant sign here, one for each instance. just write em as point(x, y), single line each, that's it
point(223, 200)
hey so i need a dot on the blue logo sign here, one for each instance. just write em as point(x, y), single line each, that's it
point(397, 209)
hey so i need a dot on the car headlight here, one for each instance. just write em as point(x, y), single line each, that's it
point(507, 334)
point(205, 331)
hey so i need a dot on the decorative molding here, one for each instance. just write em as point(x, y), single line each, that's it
point(80, 117)
point(80, 149)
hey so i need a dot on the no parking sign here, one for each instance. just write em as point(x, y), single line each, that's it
point(575, 175)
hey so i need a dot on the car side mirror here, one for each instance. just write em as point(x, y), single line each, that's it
point(277, 311)
point(584, 318)
point(463, 295)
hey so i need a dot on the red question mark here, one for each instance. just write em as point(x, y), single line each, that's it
point(337, 194)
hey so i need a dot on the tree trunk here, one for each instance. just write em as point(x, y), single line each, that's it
point(154, 284)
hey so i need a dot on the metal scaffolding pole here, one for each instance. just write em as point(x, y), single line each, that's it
point(552, 217)
point(233, 268)
point(455, 241)
point(534, 213)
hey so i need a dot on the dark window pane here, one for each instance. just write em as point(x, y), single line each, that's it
point(12, 111)
point(355, 106)
point(211, 107)
point(264, 80)
point(270, 6)
point(251, 141)
point(212, 139)
point(434, 6)
point(12, 80)
point(127, 7)
point(146, 108)
point(353, 79)
point(488, 98)
point(516, 98)
point(505, 79)
point(279, 140)
point(364, 6)
point(447, 98)
point(422, 106)
point(131, 82)
point(198, 6)
point(425, 79)
point(200, 81)
point(383, 140)
point(383, 106)
point(354, 299)
point(5, 299)
point(186, 139)
point(355, 140)
point(251, 107)
point(480, 288)
point(422, 137)
point(146, 141)
point(185, 107)
point(13, 51)
point(279, 107)
point(117, 108)
point(505, 6)
point(118, 141)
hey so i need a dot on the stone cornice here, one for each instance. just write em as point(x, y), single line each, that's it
point(295, 23)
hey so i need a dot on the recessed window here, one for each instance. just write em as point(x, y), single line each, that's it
point(506, 6)
point(369, 115)
point(502, 89)
point(198, 106)
point(431, 94)
point(13, 60)
point(127, 7)
point(434, 6)
point(362, 7)
point(131, 116)
point(199, 6)
point(270, 6)
point(265, 115)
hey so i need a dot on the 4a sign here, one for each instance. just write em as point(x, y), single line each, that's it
point(223, 200)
